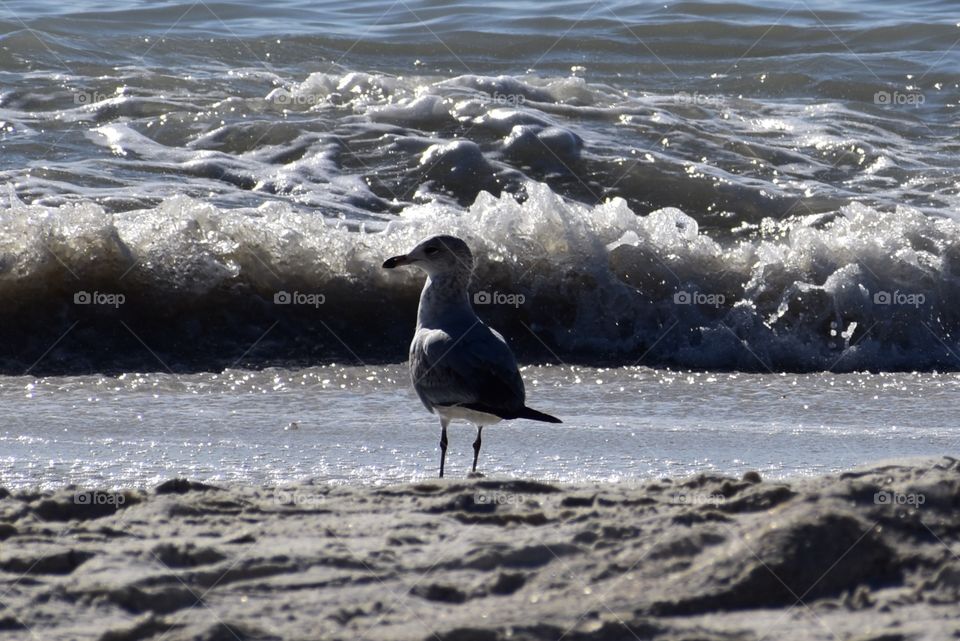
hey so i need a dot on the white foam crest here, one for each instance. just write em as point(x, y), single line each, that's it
point(122, 139)
point(355, 88)
point(601, 279)
point(423, 110)
point(39, 243)
point(374, 92)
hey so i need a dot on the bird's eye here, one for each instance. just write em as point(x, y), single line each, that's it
point(430, 251)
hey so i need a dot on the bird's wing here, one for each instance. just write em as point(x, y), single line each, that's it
point(475, 370)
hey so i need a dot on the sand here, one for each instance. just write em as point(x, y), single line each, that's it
point(871, 554)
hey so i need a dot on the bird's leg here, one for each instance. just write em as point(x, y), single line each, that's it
point(476, 447)
point(443, 443)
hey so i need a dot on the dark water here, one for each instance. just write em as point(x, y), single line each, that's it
point(697, 184)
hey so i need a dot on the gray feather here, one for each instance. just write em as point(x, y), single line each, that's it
point(473, 367)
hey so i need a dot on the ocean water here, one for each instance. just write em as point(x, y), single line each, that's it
point(195, 200)
point(348, 424)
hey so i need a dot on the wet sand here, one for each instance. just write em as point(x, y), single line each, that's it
point(870, 554)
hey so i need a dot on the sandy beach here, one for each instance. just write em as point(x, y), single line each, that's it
point(870, 554)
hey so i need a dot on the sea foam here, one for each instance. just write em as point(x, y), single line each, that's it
point(862, 289)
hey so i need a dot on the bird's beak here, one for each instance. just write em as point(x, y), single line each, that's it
point(396, 261)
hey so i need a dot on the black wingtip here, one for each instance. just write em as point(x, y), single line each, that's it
point(534, 415)
point(524, 412)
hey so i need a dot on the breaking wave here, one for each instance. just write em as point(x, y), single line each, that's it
point(187, 285)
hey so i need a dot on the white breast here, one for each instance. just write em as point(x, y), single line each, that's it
point(454, 412)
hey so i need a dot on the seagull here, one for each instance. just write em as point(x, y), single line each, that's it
point(460, 367)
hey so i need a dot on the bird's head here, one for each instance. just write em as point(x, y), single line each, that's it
point(438, 255)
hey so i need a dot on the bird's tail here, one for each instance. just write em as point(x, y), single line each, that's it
point(534, 415)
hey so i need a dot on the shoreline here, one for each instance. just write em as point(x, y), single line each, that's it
point(868, 554)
